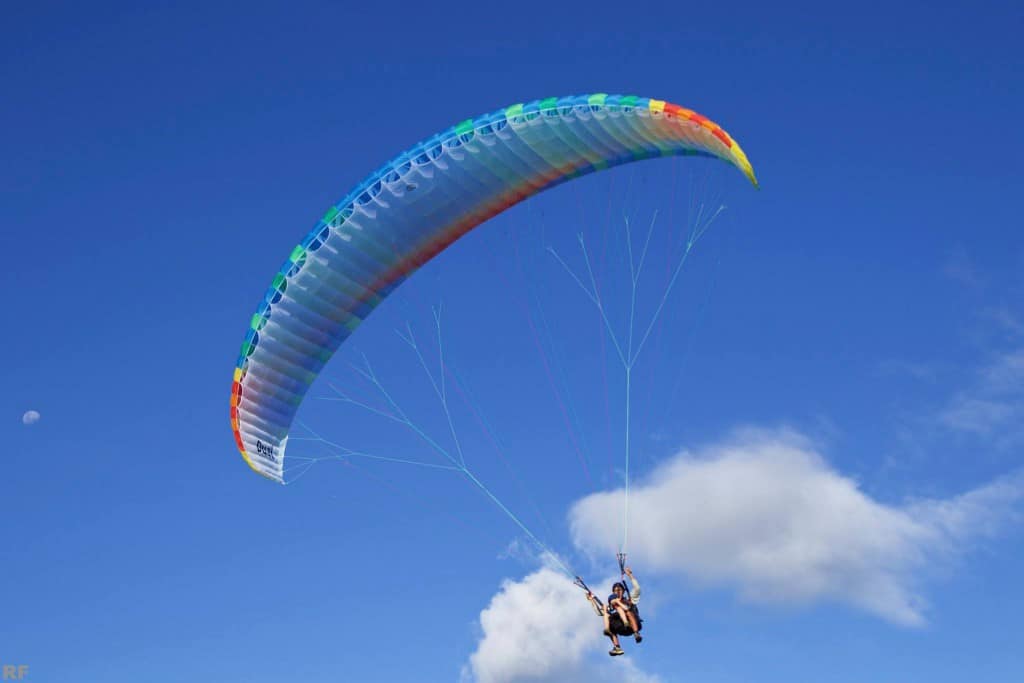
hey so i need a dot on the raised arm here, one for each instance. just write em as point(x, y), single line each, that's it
point(635, 593)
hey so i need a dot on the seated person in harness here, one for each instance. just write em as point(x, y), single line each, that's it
point(621, 617)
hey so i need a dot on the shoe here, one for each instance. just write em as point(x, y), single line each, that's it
point(637, 637)
point(616, 651)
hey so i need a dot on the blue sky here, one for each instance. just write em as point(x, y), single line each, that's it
point(827, 426)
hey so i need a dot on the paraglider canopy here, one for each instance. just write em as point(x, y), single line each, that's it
point(410, 210)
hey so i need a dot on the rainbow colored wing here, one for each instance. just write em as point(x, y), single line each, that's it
point(409, 211)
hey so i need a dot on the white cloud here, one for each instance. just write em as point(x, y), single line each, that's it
point(1006, 374)
point(980, 416)
point(765, 514)
point(30, 417)
point(1006, 320)
point(542, 630)
point(761, 513)
point(918, 371)
point(994, 406)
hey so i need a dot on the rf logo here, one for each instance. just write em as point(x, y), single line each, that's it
point(15, 672)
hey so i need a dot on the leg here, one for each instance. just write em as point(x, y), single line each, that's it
point(608, 630)
point(632, 620)
point(625, 615)
point(634, 623)
point(616, 650)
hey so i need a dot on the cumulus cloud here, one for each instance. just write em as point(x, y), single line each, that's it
point(761, 513)
point(30, 417)
point(765, 514)
point(541, 629)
